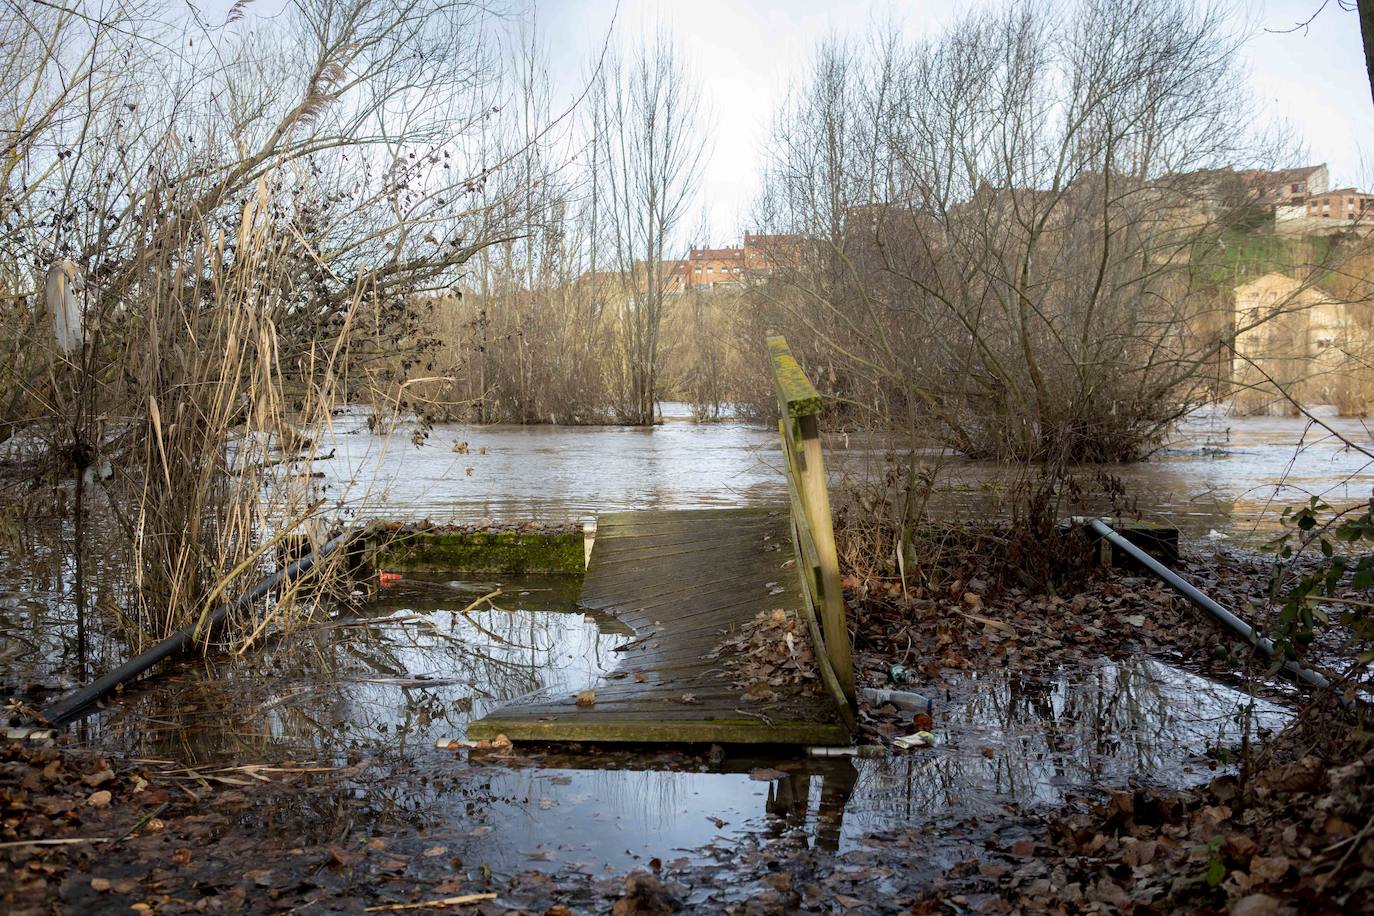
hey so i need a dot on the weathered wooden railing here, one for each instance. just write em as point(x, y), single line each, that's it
point(813, 532)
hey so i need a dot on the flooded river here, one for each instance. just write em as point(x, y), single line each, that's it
point(369, 694)
point(1218, 474)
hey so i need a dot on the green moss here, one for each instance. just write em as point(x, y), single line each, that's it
point(794, 388)
point(504, 552)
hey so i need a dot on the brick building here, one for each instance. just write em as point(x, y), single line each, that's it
point(716, 268)
point(1287, 186)
point(1342, 210)
point(766, 252)
point(1343, 204)
point(708, 268)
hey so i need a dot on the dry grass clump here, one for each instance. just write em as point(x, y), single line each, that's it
point(243, 213)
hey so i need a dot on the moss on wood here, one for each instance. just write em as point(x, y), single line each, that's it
point(795, 391)
point(499, 552)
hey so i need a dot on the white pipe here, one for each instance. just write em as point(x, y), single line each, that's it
point(866, 750)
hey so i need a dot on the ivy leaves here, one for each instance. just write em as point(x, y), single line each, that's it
point(1343, 538)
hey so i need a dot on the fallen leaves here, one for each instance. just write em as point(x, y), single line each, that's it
point(342, 858)
point(646, 895)
point(1138, 852)
point(1269, 869)
point(98, 778)
point(1255, 905)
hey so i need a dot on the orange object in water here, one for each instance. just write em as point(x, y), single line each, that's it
point(387, 578)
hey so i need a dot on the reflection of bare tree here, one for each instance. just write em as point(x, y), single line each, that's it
point(399, 672)
point(1094, 726)
point(40, 628)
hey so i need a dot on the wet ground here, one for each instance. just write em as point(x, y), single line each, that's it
point(369, 697)
point(366, 696)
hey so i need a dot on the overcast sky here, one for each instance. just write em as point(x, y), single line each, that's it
point(745, 51)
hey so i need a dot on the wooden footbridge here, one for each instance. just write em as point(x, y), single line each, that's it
point(688, 583)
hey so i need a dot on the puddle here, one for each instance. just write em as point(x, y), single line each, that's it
point(1005, 739)
point(411, 666)
point(374, 696)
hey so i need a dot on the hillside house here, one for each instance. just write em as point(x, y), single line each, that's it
point(1287, 186)
point(1312, 346)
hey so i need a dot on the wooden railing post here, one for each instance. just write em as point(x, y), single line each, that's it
point(830, 601)
point(813, 529)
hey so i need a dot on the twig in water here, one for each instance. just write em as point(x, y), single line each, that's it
point(755, 715)
point(142, 822)
point(68, 842)
point(424, 905)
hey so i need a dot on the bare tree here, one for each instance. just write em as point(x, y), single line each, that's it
point(649, 144)
point(1015, 229)
point(252, 206)
point(1366, 12)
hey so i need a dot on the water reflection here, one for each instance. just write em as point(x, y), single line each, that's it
point(408, 667)
point(373, 693)
point(1008, 739)
point(46, 640)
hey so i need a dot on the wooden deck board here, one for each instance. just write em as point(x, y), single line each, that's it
point(683, 581)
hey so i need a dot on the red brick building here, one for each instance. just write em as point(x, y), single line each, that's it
point(1287, 186)
point(767, 252)
point(1343, 203)
point(708, 268)
point(714, 268)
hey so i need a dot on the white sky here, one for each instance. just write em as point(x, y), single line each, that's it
point(745, 51)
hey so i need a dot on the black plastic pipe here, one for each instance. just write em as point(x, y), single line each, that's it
point(1226, 618)
point(70, 706)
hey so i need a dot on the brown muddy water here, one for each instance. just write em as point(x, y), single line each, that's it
point(369, 693)
point(1218, 475)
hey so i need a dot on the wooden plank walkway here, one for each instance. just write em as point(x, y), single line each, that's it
point(683, 581)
